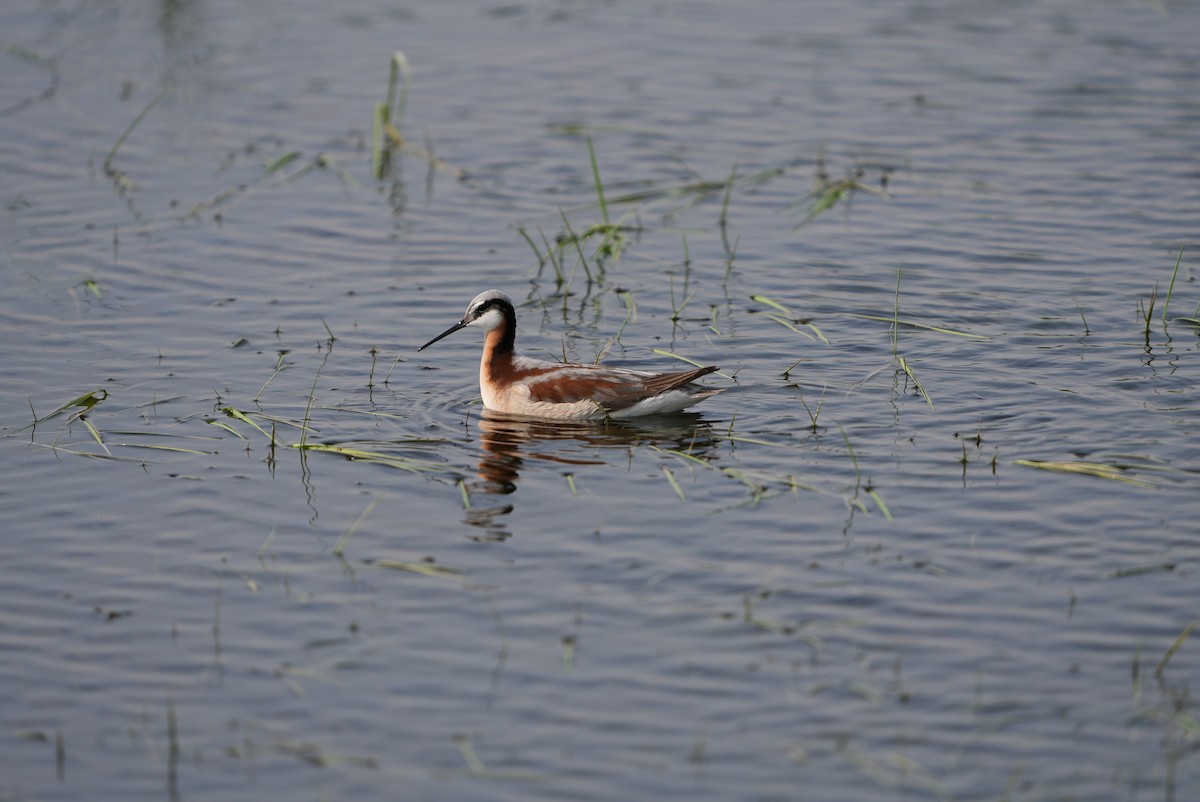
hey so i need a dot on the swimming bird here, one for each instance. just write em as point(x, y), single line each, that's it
point(538, 388)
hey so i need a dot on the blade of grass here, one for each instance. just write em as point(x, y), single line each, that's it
point(908, 371)
point(376, 457)
point(424, 569)
point(474, 764)
point(1174, 647)
point(237, 414)
point(1171, 286)
point(95, 434)
point(667, 472)
point(112, 152)
point(344, 540)
point(912, 325)
point(1096, 469)
point(596, 179)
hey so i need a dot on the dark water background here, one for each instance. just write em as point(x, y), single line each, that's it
point(733, 604)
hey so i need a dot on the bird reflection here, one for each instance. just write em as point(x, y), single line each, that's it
point(511, 441)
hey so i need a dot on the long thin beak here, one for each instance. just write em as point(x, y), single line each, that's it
point(459, 325)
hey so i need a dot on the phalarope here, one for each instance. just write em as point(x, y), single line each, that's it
point(564, 390)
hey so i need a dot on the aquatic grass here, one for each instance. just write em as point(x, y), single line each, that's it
point(122, 182)
point(279, 368)
point(423, 569)
point(1138, 570)
point(812, 416)
point(237, 414)
point(1079, 309)
point(612, 234)
point(670, 475)
point(1171, 286)
point(344, 540)
point(759, 484)
point(630, 313)
point(57, 449)
point(389, 114)
point(1185, 634)
point(681, 358)
point(474, 764)
point(868, 488)
point(910, 324)
point(828, 193)
point(896, 771)
point(175, 449)
point(596, 180)
point(723, 217)
point(375, 457)
point(269, 169)
point(568, 653)
point(1097, 469)
point(912, 376)
point(84, 402)
point(677, 309)
point(1147, 311)
point(533, 246)
point(902, 362)
point(262, 550)
point(37, 60)
point(789, 319)
point(575, 240)
point(694, 191)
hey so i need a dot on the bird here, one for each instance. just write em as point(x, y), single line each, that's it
point(519, 385)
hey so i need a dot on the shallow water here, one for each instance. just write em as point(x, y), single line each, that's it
point(735, 603)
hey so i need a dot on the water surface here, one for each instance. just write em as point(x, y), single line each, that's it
point(886, 602)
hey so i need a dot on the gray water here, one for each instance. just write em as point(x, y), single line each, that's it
point(889, 602)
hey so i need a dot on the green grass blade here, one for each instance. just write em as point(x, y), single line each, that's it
point(1171, 286)
point(424, 569)
point(762, 299)
point(112, 152)
point(95, 434)
point(883, 508)
point(1175, 645)
point(237, 414)
point(667, 472)
point(916, 382)
point(1096, 469)
point(344, 540)
point(910, 324)
point(596, 179)
point(664, 352)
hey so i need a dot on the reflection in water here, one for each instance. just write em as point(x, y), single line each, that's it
point(509, 441)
